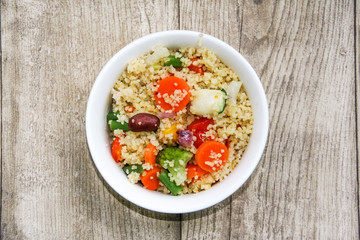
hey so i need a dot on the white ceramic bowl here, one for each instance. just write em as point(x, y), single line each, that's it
point(98, 136)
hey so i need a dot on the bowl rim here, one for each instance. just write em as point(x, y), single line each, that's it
point(161, 202)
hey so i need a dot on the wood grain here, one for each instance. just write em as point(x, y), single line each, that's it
point(51, 189)
point(305, 186)
point(307, 56)
point(294, 49)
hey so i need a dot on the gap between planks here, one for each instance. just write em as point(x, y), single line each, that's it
point(357, 96)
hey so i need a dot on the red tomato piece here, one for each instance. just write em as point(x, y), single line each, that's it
point(199, 127)
point(197, 69)
point(129, 109)
point(116, 149)
point(201, 124)
point(200, 138)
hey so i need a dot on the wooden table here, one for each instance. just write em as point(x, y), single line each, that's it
point(306, 54)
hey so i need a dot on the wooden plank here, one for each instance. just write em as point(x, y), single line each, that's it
point(222, 20)
point(54, 51)
point(305, 186)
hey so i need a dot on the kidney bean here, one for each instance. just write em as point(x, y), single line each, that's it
point(144, 122)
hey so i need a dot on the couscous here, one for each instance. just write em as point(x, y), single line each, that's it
point(180, 120)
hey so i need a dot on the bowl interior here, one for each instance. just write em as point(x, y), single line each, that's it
point(98, 136)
